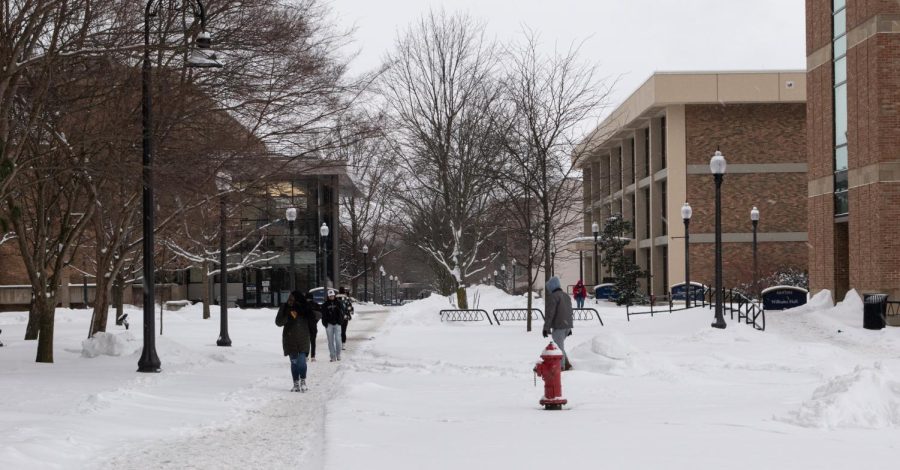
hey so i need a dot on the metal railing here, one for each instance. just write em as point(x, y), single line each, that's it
point(586, 314)
point(748, 310)
point(465, 315)
point(516, 314)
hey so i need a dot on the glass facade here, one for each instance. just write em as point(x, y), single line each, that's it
point(269, 282)
point(839, 49)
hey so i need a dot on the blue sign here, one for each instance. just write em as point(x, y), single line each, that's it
point(783, 297)
point(679, 291)
point(605, 292)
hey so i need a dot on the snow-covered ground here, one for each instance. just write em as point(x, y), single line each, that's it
point(813, 391)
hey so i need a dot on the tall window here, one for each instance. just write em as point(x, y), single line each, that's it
point(664, 218)
point(662, 141)
point(646, 152)
point(839, 49)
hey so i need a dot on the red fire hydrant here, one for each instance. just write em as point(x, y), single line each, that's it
point(549, 368)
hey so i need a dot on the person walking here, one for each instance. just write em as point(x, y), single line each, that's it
point(298, 324)
point(332, 316)
point(580, 293)
point(558, 317)
point(317, 312)
point(344, 297)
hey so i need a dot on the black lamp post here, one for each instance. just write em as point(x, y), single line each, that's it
point(200, 57)
point(224, 339)
point(381, 268)
point(374, 279)
point(686, 216)
point(503, 276)
point(717, 165)
point(595, 227)
point(513, 276)
point(323, 231)
point(365, 252)
point(291, 215)
point(754, 219)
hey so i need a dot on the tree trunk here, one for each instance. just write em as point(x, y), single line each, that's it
point(118, 295)
point(31, 330)
point(207, 291)
point(461, 299)
point(101, 305)
point(45, 308)
point(528, 286)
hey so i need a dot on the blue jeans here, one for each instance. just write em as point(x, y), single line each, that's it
point(334, 340)
point(579, 301)
point(298, 366)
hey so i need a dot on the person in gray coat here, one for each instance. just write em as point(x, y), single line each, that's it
point(558, 317)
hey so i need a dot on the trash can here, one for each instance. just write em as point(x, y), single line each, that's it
point(874, 311)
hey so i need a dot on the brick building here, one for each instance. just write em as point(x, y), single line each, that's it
point(652, 154)
point(853, 123)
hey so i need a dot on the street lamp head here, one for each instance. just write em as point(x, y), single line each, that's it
point(495, 273)
point(514, 262)
point(323, 230)
point(686, 211)
point(374, 259)
point(365, 250)
point(381, 268)
point(202, 56)
point(754, 214)
point(717, 163)
point(595, 227)
point(503, 267)
point(291, 213)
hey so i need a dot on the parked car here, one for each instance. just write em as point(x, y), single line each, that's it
point(317, 295)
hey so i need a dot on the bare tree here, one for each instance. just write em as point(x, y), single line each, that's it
point(442, 96)
point(552, 100)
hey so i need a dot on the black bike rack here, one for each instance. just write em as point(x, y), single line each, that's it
point(586, 314)
point(475, 314)
point(516, 314)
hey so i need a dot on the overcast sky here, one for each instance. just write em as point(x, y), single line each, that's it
point(629, 39)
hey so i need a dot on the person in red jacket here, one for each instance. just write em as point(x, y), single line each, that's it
point(580, 293)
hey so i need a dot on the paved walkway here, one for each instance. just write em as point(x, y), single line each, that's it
point(286, 431)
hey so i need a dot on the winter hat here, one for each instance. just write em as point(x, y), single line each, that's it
point(553, 284)
point(330, 292)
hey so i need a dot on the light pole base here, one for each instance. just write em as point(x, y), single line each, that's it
point(720, 324)
point(223, 341)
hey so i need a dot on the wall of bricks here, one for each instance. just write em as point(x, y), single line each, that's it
point(746, 133)
point(863, 253)
point(737, 261)
point(780, 197)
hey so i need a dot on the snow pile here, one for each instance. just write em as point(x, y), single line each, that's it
point(109, 344)
point(821, 301)
point(868, 397)
point(608, 353)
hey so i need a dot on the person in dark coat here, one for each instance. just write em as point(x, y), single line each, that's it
point(332, 316)
point(558, 317)
point(298, 324)
point(344, 297)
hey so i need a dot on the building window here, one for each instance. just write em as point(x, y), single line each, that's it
point(664, 203)
point(839, 52)
point(662, 140)
point(647, 233)
point(646, 152)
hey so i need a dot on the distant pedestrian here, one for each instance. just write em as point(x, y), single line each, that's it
point(344, 297)
point(332, 317)
point(298, 324)
point(580, 293)
point(558, 317)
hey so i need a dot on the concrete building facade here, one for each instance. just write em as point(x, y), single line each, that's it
point(853, 129)
point(652, 154)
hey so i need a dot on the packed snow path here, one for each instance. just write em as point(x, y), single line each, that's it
point(287, 432)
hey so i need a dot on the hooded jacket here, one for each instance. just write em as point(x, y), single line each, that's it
point(557, 307)
point(296, 332)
